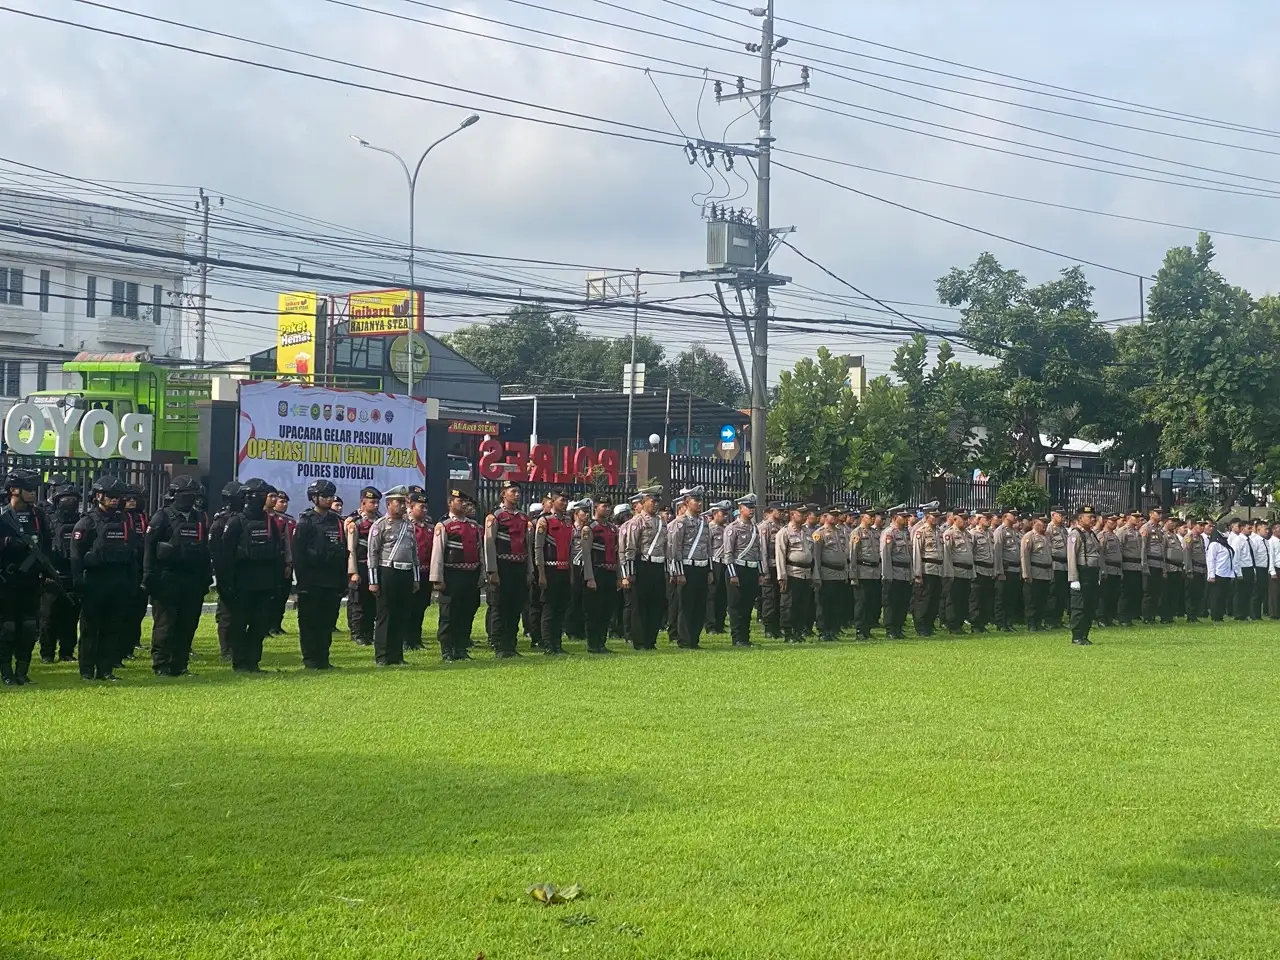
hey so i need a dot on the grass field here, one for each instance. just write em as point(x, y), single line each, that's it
point(985, 797)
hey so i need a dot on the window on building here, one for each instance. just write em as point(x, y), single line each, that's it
point(124, 299)
point(91, 297)
point(42, 375)
point(157, 301)
point(44, 293)
point(11, 382)
point(131, 300)
point(16, 280)
point(117, 298)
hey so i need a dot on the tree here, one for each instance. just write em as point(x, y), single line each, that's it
point(530, 345)
point(811, 425)
point(1048, 350)
point(939, 429)
point(706, 374)
point(881, 463)
point(1207, 368)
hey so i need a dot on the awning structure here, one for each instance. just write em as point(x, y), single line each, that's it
point(605, 414)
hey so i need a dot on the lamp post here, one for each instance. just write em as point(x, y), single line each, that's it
point(412, 180)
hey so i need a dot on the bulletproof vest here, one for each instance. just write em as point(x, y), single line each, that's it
point(188, 543)
point(16, 552)
point(510, 528)
point(258, 540)
point(113, 538)
point(461, 543)
point(559, 543)
point(64, 525)
point(331, 543)
point(604, 544)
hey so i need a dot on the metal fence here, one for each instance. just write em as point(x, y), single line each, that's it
point(489, 493)
point(151, 478)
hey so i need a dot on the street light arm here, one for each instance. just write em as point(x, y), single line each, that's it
point(413, 180)
point(391, 153)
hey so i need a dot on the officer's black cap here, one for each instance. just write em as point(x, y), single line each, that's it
point(1086, 511)
point(370, 493)
point(460, 495)
point(417, 495)
point(1061, 510)
point(511, 485)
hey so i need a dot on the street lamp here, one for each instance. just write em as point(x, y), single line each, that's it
point(412, 180)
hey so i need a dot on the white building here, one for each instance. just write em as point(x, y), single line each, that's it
point(60, 293)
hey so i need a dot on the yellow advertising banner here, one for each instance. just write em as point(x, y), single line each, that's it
point(296, 335)
point(383, 313)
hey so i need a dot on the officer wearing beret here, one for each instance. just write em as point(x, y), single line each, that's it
point(362, 606)
point(457, 569)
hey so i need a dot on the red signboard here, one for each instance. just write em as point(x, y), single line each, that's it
point(544, 463)
point(475, 428)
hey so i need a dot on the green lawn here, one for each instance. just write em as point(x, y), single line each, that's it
point(985, 797)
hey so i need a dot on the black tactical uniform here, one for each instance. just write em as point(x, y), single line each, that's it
point(320, 564)
point(60, 612)
point(104, 570)
point(176, 572)
point(136, 515)
point(232, 503)
point(22, 529)
point(255, 550)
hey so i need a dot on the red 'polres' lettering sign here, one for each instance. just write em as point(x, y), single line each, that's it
point(543, 463)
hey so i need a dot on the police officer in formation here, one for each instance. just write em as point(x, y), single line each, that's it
point(60, 609)
point(741, 557)
point(643, 565)
point(509, 563)
point(457, 570)
point(253, 562)
point(394, 578)
point(320, 565)
point(23, 533)
point(104, 572)
point(362, 605)
point(177, 572)
point(794, 550)
point(690, 568)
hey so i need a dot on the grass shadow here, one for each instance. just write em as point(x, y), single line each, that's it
point(1240, 863)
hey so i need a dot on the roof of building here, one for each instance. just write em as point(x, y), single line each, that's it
point(604, 414)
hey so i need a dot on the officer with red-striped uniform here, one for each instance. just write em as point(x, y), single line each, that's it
point(600, 575)
point(507, 561)
point(424, 531)
point(457, 567)
point(362, 606)
point(553, 549)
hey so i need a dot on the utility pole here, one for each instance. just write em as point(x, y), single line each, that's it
point(204, 275)
point(725, 223)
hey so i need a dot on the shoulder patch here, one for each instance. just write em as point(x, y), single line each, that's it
point(77, 535)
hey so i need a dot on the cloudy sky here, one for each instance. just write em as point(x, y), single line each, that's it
point(108, 108)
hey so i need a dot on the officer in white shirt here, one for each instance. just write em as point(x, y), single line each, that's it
point(1261, 555)
point(1242, 561)
point(1273, 573)
point(1220, 575)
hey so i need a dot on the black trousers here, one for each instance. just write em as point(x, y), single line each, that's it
point(1130, 596)
point(1009, 592)
point(223, 618)
point(982, 598)
point(575, 618)
point(770, 609)
point(1195, 591)
point(1109, 598)
point(251, 613)
point(648, 598)
point(457, 602)
point(1152, 595)
point(1273, 597)
point(395, 615)
point(414, 639)
point(1242, 594)
point(1174, 596)
point(136, 612)
point(672, 622)
point(1220, 591)
point(555, 607)
point(717, 598)
point(1258, 595)
point(1036, 605)
point(106, 606)
point(19, 626)
point(866, 606)
point(620, 624)
point(1084, 603)
point(282, 604)
point(925, 601)
point(506, 601)
point(796, 603)
point(533, 612)
point(693, 606)
point(176, 605)
point(1060, 601)
point(599, 605)
point(362, 610)
point(897, 598)
point(59, 625)
point(742, 599)
point(958, 590)
point(317, 613)
point(830, 604)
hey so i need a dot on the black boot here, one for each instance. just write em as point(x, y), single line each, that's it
point(6, 674)
point(22, 674)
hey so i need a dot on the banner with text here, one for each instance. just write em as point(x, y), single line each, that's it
point(296, 334)
point(292, 433)
point(383, 313)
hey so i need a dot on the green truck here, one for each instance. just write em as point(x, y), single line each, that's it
point(126, 383)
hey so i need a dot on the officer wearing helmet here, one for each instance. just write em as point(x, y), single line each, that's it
point(177, 573)
point(60, 611)
point(104, 572)
point(320, 564)
point(21, 528)
point(232, 503)
point(253, 566)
